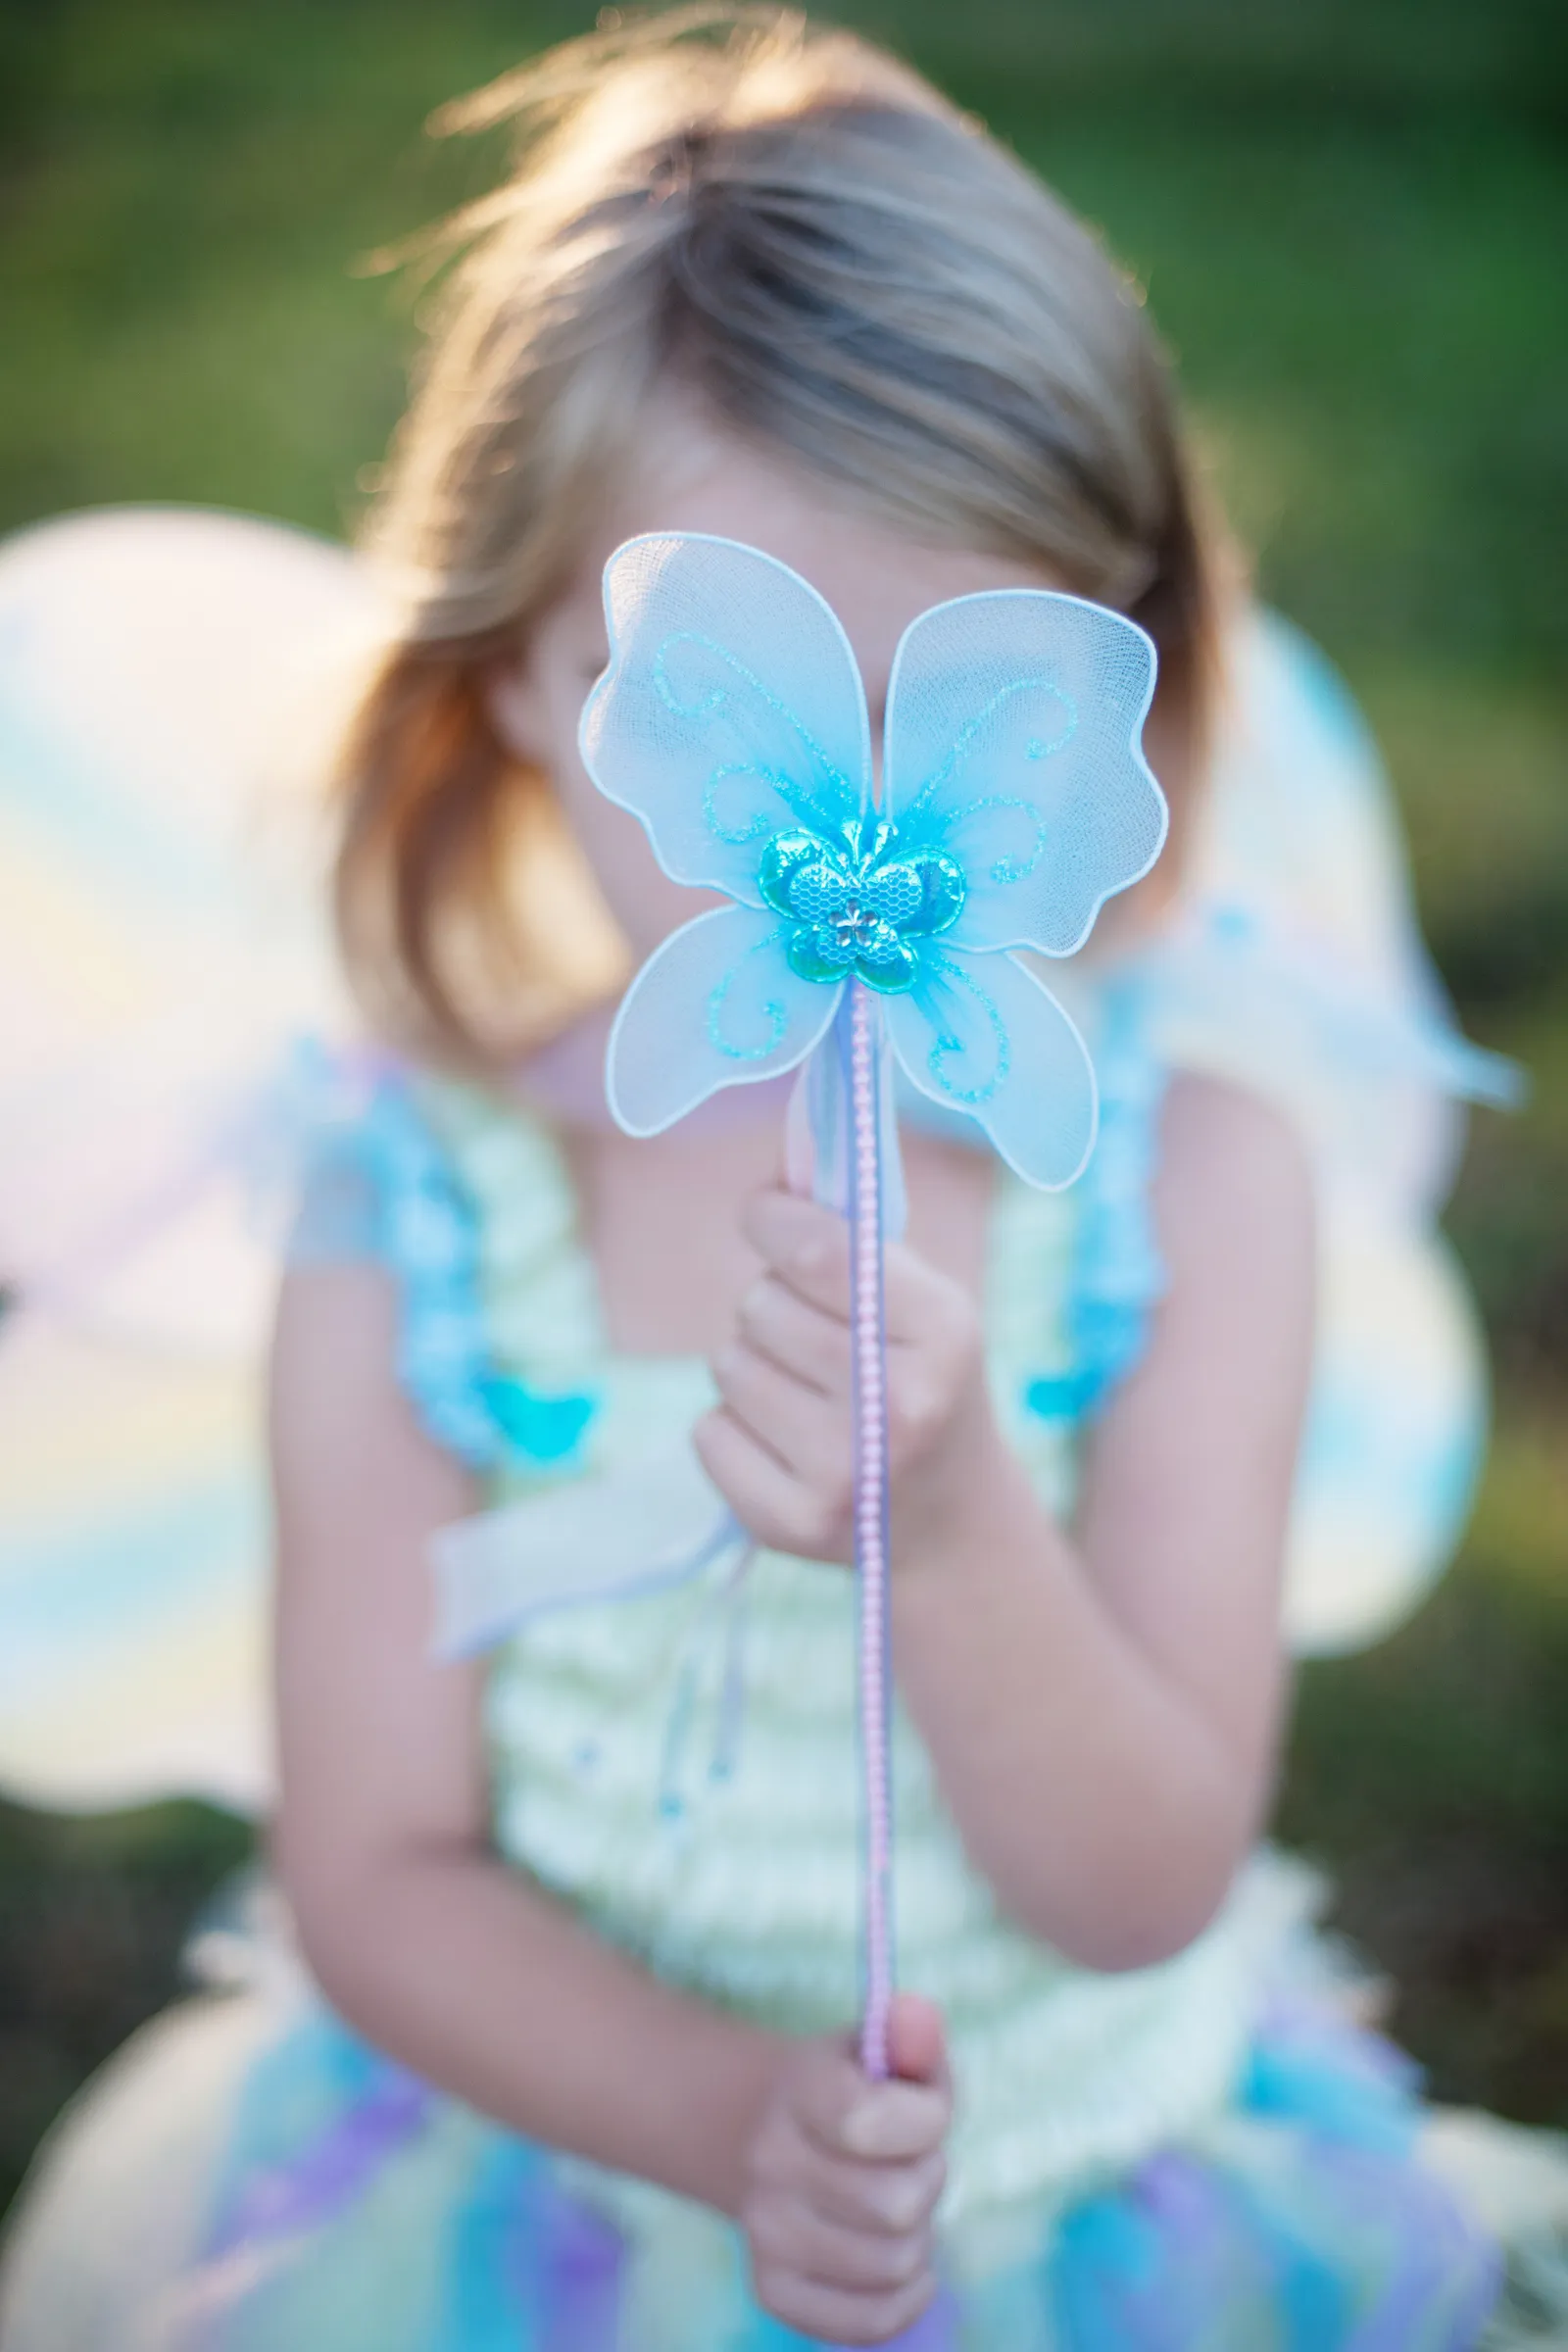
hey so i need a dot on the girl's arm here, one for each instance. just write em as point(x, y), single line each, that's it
point(463, 1969)
point(1101, 1708)
point(416, 1931)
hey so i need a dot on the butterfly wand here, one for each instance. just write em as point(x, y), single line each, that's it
point(868, 930)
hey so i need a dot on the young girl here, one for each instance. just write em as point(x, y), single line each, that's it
point(564, 2056)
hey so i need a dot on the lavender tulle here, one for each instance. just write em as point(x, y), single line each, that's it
point(1304, 2224)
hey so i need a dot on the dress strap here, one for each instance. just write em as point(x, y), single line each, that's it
point(1116, 1273)
point(384, 1186)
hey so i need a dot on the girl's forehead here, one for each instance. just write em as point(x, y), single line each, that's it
point(692, 475)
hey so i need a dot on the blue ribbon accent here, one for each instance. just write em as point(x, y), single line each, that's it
point(542, 1429)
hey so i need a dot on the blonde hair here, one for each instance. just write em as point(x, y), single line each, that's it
point(845, 270)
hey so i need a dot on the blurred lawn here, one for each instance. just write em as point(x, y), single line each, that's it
point(1351, 221)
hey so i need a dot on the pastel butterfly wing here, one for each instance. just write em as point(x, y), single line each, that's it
point(715, 1006)
point(731, 709)
point(1013, 746)
point(981, 1035)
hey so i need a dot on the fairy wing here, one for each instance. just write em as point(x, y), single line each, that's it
point(1015, 756)
point(168, 681)
point(1014, 742)
point(133, 1536)
point(732, 710)
point(1300, 971)
point(731, 706)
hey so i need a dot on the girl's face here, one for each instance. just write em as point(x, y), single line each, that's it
point(692, 475)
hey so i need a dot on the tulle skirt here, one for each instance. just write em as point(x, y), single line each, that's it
point(248, 2175)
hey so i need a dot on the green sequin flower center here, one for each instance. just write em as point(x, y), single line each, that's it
point(858, 904)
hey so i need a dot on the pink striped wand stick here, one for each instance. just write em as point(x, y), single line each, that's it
point(868, 1361)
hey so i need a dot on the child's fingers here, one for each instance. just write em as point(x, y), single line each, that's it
point(873, 2201)
point(834, 2316)
point(824, 2084)
point(742, 1465)
point(796, 2236)
point(918, 2047)
point(796, 1336)
point(806, 1245)
point(780, 1510)
point(846, 2115)
point(918, 1301)
point(894, 2121)
point(807, 1431)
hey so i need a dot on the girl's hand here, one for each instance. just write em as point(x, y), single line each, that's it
point(843, 2175)
point(779, 1445)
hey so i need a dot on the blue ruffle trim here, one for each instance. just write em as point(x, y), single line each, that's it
point(417, 1220)
point(1117, 1273)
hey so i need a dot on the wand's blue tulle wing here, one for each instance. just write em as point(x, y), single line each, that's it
point(731, 708)
point(715, 1006)
point(1013, 749)
point(1012, 744)
point(980, 1033)
point(731, 711)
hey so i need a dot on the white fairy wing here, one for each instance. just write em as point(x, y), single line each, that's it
point(132, 1536)
point(1300, 971)
point(168, 681)
point(1302, 966)
point(168, 684)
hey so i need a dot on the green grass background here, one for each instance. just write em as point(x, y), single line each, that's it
point(1352, 222)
